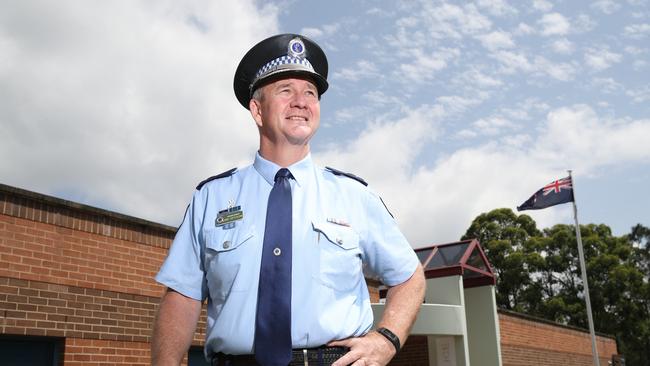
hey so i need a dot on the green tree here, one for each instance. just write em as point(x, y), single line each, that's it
point(538, 273)
point(503, 236)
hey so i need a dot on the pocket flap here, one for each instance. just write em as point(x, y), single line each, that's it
point(341, 236)
point(221, 240)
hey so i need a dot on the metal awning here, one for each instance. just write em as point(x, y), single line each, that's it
point(465, 258)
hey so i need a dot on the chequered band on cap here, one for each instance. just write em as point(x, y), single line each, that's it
point(281, 56)
point(280, 63)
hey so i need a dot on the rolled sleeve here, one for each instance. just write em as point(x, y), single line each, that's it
point(182, 270)
point(388, 254)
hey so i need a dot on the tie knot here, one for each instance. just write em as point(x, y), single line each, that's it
point(282, 173)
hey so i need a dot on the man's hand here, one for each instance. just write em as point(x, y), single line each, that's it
point(402, 305)
point(373, 349)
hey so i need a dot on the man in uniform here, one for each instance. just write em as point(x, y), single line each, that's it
point(280, 248)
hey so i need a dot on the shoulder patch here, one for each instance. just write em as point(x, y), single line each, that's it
point(225, 174)
point(349, 175)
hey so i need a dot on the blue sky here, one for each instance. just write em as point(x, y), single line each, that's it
point(448, 109)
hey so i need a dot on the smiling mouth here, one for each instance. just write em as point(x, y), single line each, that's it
point(297, 118)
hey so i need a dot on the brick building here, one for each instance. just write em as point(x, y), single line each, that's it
point(77, 288)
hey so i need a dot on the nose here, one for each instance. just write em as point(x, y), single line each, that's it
point(299, 100)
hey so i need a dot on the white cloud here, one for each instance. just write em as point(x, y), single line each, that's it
point(577, 134)
point(326, 30)
point(455, 104)
point(637, 31)
point(524, 29)
point(523, 110)
point(423, 66)
point(606, 6)
point(599, 59)
point(404, 137)
point(436, 203)
point(127, 117)
point(494, 125)
point(563, 46)
point(554, 24)
point(497, 7)
point(542, 5)
point(496, 40)
point(516, 141)
point(561, 71)
point(641, 95)
point(475, 78)
point(311, 32)
point(466, 134)
point(513, 62)
point(635, 51)
point(607, 85)
point(583, 23)
point(453, 21)
point(361, 70)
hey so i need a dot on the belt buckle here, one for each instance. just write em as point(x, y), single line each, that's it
point(304, 356)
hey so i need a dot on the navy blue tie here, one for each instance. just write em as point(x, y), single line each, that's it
point(273, 320)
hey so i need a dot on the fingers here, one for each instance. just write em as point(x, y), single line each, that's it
point(341, 343)
point(349, 358)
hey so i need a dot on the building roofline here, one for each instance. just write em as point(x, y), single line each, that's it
point(82, 208)
point(537, 319)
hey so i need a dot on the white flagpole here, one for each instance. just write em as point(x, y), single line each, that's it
point(594, 350)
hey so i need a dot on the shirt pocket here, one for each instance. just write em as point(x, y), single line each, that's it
point(227, 260)
point(339, 256)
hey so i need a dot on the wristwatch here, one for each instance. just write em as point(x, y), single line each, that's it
point(391, 337)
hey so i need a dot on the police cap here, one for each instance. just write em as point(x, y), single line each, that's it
point(280, 56)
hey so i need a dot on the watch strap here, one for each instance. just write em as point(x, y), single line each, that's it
point(392, 338)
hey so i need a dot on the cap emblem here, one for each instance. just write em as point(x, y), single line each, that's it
point(296, 48)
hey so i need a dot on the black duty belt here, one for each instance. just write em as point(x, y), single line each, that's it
point(321, 356)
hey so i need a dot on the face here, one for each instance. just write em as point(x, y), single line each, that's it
point(287, 112)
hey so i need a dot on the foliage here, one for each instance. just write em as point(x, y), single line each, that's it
point(538, 273)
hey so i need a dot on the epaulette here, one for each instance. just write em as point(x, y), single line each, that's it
point(349, 175)
point(225, 174)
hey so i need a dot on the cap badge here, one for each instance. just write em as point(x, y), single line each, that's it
point(296, 48)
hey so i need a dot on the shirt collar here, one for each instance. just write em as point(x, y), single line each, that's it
point(267, 169)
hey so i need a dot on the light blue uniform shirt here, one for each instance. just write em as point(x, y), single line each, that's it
point(341, 229)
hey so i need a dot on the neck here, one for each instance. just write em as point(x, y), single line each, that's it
point(284, 156)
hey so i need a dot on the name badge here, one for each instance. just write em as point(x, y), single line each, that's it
point(229, 216)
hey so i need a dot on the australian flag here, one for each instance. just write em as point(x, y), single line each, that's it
point(559, 191)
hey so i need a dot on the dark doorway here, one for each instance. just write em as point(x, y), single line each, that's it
point(29, 351)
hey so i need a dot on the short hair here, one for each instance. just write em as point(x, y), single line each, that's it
point(257, 94)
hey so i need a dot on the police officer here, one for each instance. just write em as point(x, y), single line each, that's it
point(280, 248)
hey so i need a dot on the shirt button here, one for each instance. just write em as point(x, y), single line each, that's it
point(277, 252)
point(226, 244)
point(339, 241)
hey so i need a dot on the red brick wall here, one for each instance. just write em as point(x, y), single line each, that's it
point(73, 271)
point(526, 342)
point(81, 352)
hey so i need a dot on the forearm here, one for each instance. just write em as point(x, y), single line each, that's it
point(402, 305)
point(174, 328)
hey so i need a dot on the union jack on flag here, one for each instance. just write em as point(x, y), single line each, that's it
point(554, 193)
point(557, 186)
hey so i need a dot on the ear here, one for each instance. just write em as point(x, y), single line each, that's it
point(255, 108)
